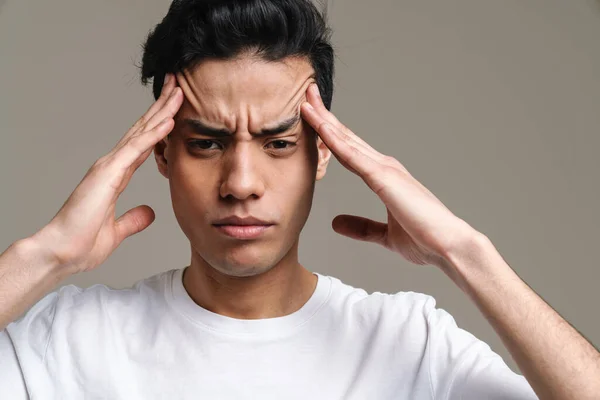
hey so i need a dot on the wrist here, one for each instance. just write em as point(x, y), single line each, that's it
point(36, 250)
point(470, 256)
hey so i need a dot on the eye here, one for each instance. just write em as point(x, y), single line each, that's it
point(203, 144)
point(281, 144)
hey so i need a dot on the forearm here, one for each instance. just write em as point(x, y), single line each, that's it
point(555, 359)
point(27, 273)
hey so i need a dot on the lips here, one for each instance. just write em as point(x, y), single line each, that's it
point(243, 228)
point(242, 221)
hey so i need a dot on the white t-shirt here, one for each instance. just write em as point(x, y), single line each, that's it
point(151, 341)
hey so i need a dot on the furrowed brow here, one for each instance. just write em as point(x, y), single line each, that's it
point(201, 128)
point(281, 127)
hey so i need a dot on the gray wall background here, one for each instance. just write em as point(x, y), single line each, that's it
point(493, 105)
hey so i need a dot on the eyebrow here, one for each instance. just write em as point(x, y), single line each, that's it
point(201, 128)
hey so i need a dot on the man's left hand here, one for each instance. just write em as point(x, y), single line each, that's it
point(419, 226)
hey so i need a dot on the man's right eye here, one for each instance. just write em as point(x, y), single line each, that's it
point(203, 144)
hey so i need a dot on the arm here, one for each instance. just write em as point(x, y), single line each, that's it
point(27, 273)
point(556, 360)
point(85, 231)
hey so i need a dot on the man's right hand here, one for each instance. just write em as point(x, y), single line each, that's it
point(85, 232)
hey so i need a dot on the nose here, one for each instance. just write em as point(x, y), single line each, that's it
point(242, 178)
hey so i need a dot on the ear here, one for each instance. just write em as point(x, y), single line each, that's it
point(324, 155)
point(160, 155)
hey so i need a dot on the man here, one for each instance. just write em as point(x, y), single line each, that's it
point(241, 132)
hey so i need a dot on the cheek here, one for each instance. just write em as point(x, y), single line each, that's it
point(296, 179)
point(300, 170)
point(192, 183)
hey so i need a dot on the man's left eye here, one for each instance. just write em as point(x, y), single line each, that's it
point(281, 144)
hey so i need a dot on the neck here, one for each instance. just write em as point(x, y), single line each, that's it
point(281, 290)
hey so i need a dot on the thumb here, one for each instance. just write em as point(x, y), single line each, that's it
point(360, 228)
point(133, 221)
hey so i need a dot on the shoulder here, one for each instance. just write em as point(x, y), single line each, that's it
point(101, 304)
point(78, 307)
point(378, 307)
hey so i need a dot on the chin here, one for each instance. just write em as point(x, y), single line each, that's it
point(240, 270)
point(239, 263)
point(244, 258)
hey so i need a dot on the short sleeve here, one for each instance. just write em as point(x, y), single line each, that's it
point(463, 367)
point(11, 376)
point(23, 345)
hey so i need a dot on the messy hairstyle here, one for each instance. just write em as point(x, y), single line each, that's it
point(196, 30)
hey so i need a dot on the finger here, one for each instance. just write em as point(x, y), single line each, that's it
point(110, 175)
point(137, 150)
point(131, 170)
point(157, 105)
point(360, 228)
point(133, 221)
point(317, 102)
point(169, 109)
point(314, 98)
point(351, 154)
point(139, 147)
point(165, 94)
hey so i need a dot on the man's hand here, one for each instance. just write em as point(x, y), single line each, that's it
point(419, 226)
point(557, 361)
point(84, 232)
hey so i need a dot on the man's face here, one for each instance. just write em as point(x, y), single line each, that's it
point(240, 148)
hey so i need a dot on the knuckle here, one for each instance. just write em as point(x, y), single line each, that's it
point(352, 156)
point(388, 171)
point(355, 152)
point(391, 161)
point(99, 163)
point(323, 126)
point(345, 130)
point(139, 122)
point(381, 174)
point(346, 138)
point(144, 126)
point(136, 142)
point(394, 164)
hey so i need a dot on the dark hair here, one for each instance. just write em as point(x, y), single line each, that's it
point(196, 30)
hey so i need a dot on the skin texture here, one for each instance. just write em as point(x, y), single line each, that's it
point(262, 278)
point(245, 175)
point(557, 361)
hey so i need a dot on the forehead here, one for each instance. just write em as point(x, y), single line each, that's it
point(246, 91)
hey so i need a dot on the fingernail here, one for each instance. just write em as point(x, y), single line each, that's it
point(167, 78)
